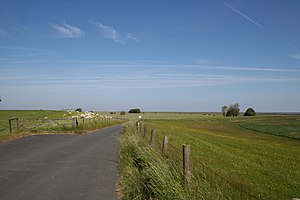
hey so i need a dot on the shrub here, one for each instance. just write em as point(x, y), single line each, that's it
point(134, 110)
point(78, 110)
point(250, 112)
point(122, 113)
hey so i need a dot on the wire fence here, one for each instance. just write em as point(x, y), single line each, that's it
point(54, 124)
point(199, 170)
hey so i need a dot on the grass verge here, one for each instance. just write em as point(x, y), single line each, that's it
point(146, 174)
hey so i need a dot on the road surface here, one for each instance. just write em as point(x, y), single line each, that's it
point(61, 167)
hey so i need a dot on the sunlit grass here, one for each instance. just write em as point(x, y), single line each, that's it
point(146, 174)
point(47, 122)
point(262, 163)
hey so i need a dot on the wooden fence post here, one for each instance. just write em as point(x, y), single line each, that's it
point(73, 121)
point(9, 123)
point(144, 131)
point(186, 163)
point(18, 125)
point(138, 126)
point(165, 145)
point(141, 128)
point(152, 138)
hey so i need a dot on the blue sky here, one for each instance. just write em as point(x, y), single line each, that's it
point(155, 55)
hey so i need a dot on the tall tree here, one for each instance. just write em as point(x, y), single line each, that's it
point(233, 110)
point(224, 110)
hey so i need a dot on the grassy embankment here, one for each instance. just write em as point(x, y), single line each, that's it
point(146, 174)
point(47, 121)
point(262, 164)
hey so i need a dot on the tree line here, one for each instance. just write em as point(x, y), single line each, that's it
point(233, 110)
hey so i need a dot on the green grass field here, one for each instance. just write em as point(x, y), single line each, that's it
point(166, 115)
point(240, 150)
point(280, 125)
point(27, 115)
point(46, 121)
point(284, 125)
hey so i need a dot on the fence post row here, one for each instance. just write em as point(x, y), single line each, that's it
point(186, 158)
point(186, 150)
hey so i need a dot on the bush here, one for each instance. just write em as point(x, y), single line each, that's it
point(78, 110)
point(135, 110)
point(250, 112)
point(122, 113)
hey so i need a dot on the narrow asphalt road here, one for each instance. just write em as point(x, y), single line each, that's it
point(61, 167)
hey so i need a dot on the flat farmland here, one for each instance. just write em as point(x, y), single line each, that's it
point(259, 154)
point(28, 115)
point(48, 122)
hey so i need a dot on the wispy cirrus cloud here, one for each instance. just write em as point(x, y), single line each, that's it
point(135, 80)
point(138, 74)
point(111, 33)
point(243, 15)
point(272, 34)
point(14, 55)
point(68, 31)
point(255, 69)
point(131, 36)
point(295, 56)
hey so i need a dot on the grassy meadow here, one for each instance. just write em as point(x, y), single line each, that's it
point(47, 121)
point(259, 154)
